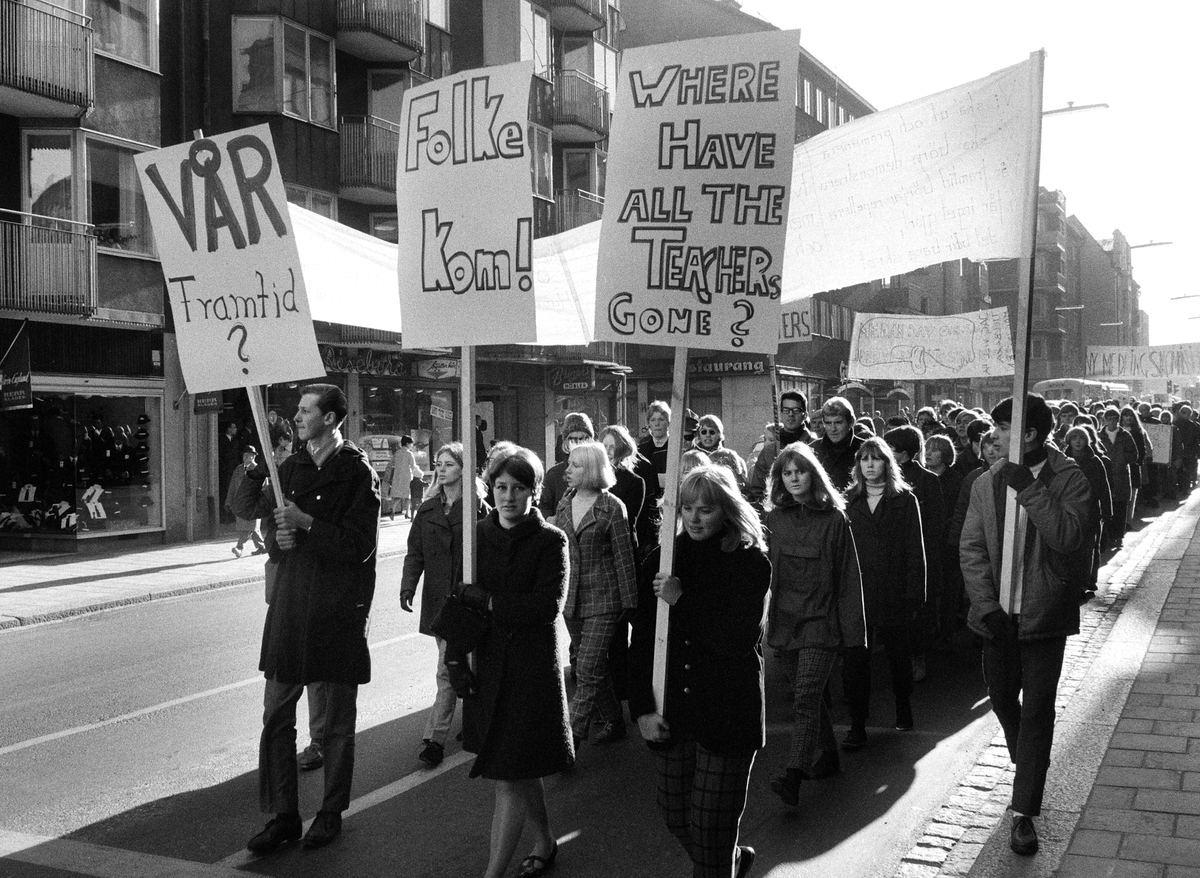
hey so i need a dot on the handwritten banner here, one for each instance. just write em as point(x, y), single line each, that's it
point(936, 179)
point(221, 224)
point(465, 210)
point(1174, 361)
point(1160, 440)
point(691, 243)
point(907, 347)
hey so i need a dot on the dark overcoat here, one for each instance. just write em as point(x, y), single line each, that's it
point(1122, 455)
point(316, 622)
point(434, 549)
point(517, 723)
point(891, 556)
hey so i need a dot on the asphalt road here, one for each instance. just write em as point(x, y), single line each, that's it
point(128, 747)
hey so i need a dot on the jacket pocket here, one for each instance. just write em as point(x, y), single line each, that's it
point(805, 589)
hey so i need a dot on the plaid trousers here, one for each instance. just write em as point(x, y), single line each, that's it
point(593, 684)
point(810, 669)
point(701, 795)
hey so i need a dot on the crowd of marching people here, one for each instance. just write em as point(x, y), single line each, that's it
point(841, 536)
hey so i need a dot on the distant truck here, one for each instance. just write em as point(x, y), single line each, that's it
point(1080, 390)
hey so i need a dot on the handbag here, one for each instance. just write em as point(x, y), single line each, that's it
point(459, 625)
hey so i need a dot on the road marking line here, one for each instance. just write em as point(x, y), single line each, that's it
point(166, 705)
point(86, 858)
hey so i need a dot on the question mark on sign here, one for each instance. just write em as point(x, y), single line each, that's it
point(739, 331)
point(241, 344)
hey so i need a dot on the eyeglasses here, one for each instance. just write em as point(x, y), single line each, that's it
point(706, 432)
point(792, 410)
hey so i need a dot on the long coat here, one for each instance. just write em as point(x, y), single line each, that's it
point(816, 588)
point(517, 723)
point(435, 550)
point(316, 622)
point(603, 572)
point(1122, 454)
point(891, 556)
point(402, 471)
point(630, 489)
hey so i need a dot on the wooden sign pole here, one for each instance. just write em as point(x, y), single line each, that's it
point(259, 410)
point(469, 501)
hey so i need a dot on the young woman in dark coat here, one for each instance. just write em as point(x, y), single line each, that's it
point(1081, 449)
point(517, 723)
point(886, 522)
point(705, 736)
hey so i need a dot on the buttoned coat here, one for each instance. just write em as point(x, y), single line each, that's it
point(315, 629)
point(603, 571)
point(435, 551)
point(891, 556)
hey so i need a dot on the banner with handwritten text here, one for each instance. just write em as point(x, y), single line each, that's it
point(221, 224)
point(910, 347)
point(696, 201)
point(465, 210)
point(1173, 361)
point(936, 179)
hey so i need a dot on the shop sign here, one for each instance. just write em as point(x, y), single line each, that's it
point(573, 378)
point(207, 403)
point(364, 361)
point(730, 365)
point(15, 379)
point(438, 369)
point(437, 411)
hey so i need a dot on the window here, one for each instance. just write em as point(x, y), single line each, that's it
point(594, 59)
point(842, 115)
point(297, 81)
point(584, 169)
point(49, 172)
point(437, 59)
point(610, 34)
point(807, 88)
point(831, 112)
point(385, 227)
point(127, 29)
point(115, 204)
point(312, 199)
point(535, 38)
point(819, 101)
point(541, 161)
point(1037, 347)
point(439, 13)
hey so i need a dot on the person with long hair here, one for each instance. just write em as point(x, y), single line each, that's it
point(707, 733)
point(517, 722)
point(602, 586)
point(1122, 455)
point(1145, 452)
point(435, 553)
point(886, 522)
point(816, 605)
point(1081, 442)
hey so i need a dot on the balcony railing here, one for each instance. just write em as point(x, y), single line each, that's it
point(580, 108)
point(369, 146)
point(46, 66)
point(576, 207)
point(578, 15)
point(47, 265)
point(381, 30)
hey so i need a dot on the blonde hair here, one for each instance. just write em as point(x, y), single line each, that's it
point(598, 473)
point(713, 485)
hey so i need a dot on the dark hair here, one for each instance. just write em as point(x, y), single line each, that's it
point(1136, 429)
point(893, 479)
point(794, 396)
point(906, 439)
point(329, 399)
point(977, 428)
point(942, 441)
point(408, 440)
point(1038, 416)
point(523, 465)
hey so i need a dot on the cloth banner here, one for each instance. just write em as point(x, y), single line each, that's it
point(936, 179)
point(907, 347)
point(1172, 361)
point(465, 210)
point(224, 235)
point(696, 199)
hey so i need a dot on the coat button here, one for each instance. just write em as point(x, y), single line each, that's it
point(687, 690)
point(318, 496)
point(687, 643)
point(687, 667)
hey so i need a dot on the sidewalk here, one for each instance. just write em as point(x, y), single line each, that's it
point(45, 588)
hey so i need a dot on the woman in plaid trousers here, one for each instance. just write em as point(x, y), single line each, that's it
point(712, 723)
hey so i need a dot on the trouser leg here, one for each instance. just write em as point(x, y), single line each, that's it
point(593, 688)
point(1041, 665)
point(676, 765)
point(277, 793)
point(441, 715)
point(338, 744)
point(1002, 674)
point(897, 645)
point(316, 711)
point(810, 669)
point(718, 798)
point(856, 680)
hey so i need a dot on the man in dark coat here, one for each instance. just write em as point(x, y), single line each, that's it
point(577, 428)
point(793, 409)
point(323, 543)
point(839, 446)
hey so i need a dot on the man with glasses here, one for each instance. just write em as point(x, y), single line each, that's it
point(793, 409)
point(577, 427)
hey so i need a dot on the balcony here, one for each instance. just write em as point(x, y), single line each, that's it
point(47, 265)
point(576, 207)
point(577, 15)
point(388, 31)
point(46, 67)
point(580, 108)
point(369, 146)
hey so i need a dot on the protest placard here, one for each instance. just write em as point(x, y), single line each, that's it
point(907, 347)
point(220, 219)
point(940, 178)
point(465, 210)
point(692, 239)
point(1173, 361)
point(1160, 440)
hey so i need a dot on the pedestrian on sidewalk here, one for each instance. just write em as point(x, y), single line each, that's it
point(816, 605)
point(400, 479)
point(323, 541)
point(247, 529)
point(1025, 633)
point(435, 552)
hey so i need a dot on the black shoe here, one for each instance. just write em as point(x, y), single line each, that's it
point(432, 753)
point(827, 765)
point(281, 828)
point(324, 829)
point(745, 860)
point(533, 865)
point(904, 717)
point(787, 787)
point(1023, 839)
point(855, 739)
point(611, 731)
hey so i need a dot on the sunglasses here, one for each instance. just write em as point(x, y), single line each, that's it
point(706, 432)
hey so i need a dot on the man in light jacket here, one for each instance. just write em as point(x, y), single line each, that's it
point(1024, 638)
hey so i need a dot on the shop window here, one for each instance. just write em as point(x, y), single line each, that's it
point(281, 67)
point(390, 412)
point(541, 161)
point(535, 38)
point(312, 199)
point(126, 29)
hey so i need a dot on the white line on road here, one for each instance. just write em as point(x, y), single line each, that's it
point(86, 858)
point(166, 705)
